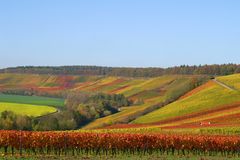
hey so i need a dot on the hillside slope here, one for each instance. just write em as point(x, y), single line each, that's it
point(167, 91)
point(231, 80)
point(147, 93)
point(210, 103)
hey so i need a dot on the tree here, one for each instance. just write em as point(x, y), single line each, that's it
point(47, 124)
point(23, 123)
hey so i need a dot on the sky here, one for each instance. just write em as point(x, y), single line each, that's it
point(124, 33)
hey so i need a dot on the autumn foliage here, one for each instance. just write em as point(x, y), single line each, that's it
point(74, 143)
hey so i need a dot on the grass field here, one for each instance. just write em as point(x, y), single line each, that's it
point(27, 109)
point(35, 100)
point(29, 105)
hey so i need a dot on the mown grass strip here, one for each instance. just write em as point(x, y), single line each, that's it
point(35, 100)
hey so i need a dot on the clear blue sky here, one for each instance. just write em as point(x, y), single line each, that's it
point(141, 33)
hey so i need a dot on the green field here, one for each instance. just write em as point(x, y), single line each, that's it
point(27, 109)
point(35, 100)
point(29, 105)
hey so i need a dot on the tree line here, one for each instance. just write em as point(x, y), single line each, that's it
point(224, 69)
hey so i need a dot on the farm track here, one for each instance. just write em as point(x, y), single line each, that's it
point(50, 114)
point(224, 85)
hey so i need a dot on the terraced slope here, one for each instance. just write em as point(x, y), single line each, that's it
point(207, 105)
point(147, 93)
point(46, 83)
point(34, 81)
point(167, 87)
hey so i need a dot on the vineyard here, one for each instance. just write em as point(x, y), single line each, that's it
point(80, 143)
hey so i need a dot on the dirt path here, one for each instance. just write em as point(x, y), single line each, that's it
point(224, 85)
point(46, 115)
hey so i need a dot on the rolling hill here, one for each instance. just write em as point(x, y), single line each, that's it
point(191, 105)
point(168, 89)
point(146, 93)
point(214, 104)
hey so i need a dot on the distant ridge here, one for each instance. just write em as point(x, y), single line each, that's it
point(223, 69)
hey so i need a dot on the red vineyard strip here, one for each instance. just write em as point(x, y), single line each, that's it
point(221, 121)
point(121, 126)
point(117, 81)
point(118, 89)
point(62, 142)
